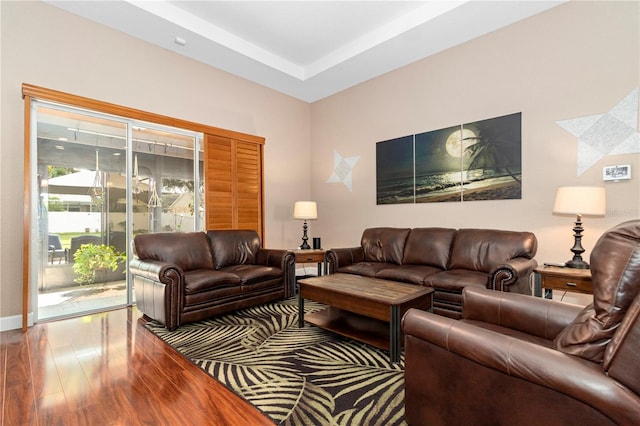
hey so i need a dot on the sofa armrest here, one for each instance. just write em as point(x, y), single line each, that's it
point(159, 288)
point(156, 270)
point(543, 318)
point(458, 352)
point(512, 276)
point(283, 259)
point(340, 257)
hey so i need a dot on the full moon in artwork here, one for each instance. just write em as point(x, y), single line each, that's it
point(458, 141)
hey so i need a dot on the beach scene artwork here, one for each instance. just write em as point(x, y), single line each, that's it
point(395, 180)
point(475, 161)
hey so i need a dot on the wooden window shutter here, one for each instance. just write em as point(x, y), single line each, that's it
point(233, 184)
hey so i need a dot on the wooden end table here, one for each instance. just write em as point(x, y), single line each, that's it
point(362, 308)
point(309, 256)
point(552, 278)
point(312, 256)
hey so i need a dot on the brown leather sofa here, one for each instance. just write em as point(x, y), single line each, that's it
point(446, 259)
point(518, 360)
point(181, 277)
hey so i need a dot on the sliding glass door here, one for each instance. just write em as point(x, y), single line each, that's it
point(97, 180)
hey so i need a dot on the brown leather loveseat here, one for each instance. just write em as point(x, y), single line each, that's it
point(446, 259)
point(519, 360)
point(183, 277)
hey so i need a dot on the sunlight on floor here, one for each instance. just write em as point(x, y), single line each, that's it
point(71, 301)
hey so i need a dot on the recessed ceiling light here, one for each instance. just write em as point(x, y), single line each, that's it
point(63, 139)
point(60, 147)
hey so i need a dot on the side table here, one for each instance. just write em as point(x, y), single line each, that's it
point(312, 256)
point(309, 256)
point(561, 278)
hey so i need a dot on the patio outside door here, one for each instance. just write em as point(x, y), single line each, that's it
point(100, 180)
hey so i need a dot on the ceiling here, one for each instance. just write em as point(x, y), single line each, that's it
point(306, 49)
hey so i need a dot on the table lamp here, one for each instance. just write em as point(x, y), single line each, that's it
point(305, 210)
point(581, 201)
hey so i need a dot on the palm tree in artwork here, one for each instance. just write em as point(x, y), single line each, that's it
point(489, 153)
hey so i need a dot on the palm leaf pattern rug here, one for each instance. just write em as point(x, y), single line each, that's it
point(296, 376)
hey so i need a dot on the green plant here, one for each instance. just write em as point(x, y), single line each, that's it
point(90, 258)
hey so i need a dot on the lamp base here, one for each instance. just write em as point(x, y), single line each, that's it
point(577, 248)
point(305, 244)
point(577, 264)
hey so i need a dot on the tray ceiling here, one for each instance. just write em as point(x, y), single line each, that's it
point(306, 49)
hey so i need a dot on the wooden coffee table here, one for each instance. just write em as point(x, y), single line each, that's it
point(362, 308)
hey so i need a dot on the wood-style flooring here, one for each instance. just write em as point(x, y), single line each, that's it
point(108, 369)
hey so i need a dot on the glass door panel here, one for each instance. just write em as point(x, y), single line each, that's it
point(163, 182)
point(100, 181)
point(81, 169)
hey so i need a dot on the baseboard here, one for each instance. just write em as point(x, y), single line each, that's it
point(14, 322)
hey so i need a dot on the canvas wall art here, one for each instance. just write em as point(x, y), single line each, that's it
point(395, 182)
point(475, 161)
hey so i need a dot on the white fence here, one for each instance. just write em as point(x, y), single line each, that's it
point(82, 221)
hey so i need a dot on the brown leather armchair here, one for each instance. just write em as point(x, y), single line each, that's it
point(516, 359)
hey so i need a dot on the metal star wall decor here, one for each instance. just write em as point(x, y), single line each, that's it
point(611, 133)
point(342, 169)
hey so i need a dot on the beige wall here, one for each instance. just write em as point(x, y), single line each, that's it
point(48, 47)
point(575, 60)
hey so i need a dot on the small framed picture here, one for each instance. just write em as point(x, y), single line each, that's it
point(615, 173)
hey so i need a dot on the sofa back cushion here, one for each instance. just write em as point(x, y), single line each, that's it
point(234, 247)
point(428, 246)
point(384, 244)
point(187, 250)
point(615, 273)
point(484, 249)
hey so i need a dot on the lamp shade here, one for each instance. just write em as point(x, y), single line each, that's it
point(305, 210)
point(580, 200)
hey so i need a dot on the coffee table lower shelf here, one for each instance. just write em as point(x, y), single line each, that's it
point(348, 324)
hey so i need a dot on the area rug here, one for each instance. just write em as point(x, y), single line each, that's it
point(295, 376)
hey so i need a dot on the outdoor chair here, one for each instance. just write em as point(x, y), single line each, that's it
point(55, 250)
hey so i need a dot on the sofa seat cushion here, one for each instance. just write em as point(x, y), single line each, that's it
point(412, 274)
point(262, 286)
point(367, 269)
point(457, 279)
point(202, 280)
point(251, 274)
point(216, 296)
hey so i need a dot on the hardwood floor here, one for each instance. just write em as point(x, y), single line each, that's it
point(107, 369)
